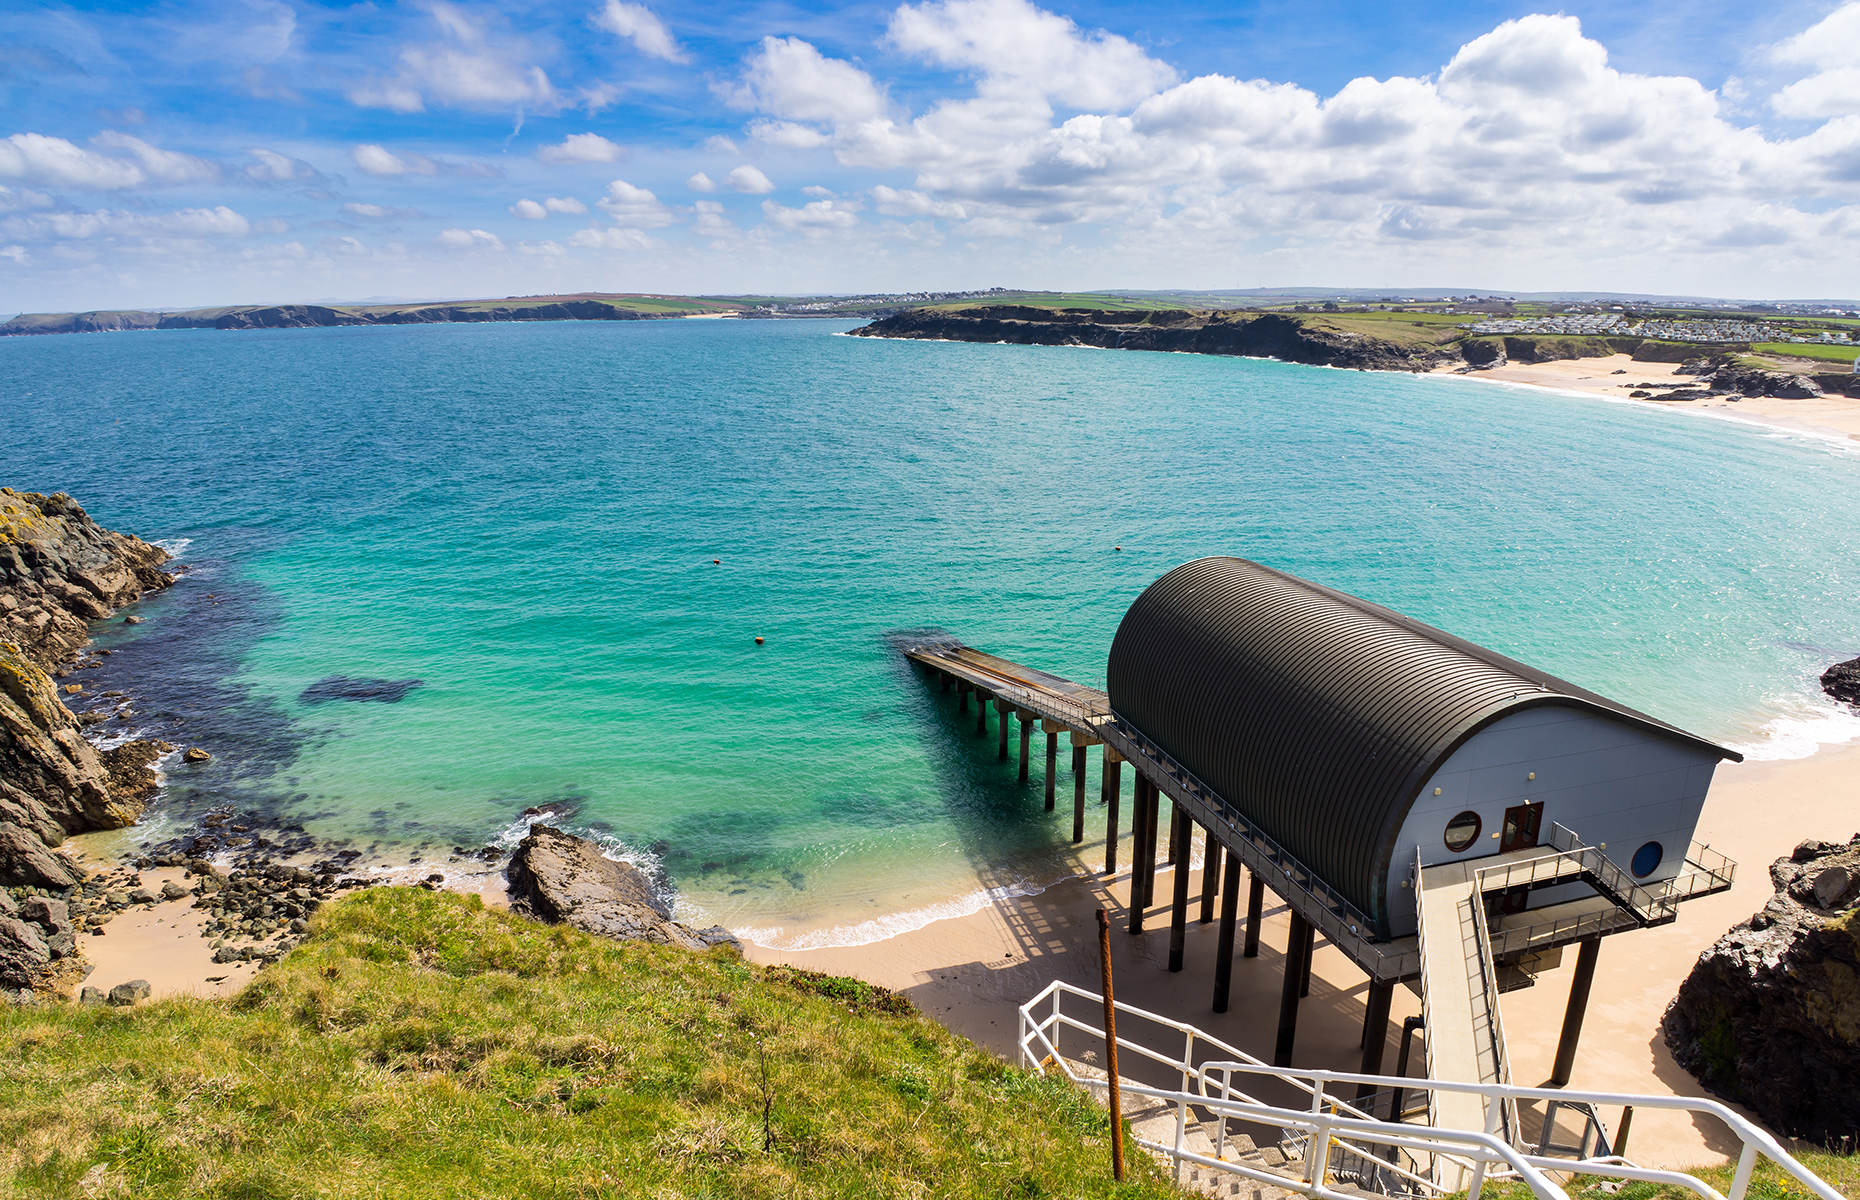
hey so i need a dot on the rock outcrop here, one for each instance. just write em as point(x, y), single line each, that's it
point(1747, 381)
point(59, 570)
point(557, 877)
point(311, 316)
point(1770, 1016)
point(1842, 681)
point(1247, 335)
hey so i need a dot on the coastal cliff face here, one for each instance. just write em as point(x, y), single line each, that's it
point(1770, 1016)
point(1247, 335)
point(58, 570)
point(313, 316)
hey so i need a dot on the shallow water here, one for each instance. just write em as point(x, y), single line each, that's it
point(523, 518)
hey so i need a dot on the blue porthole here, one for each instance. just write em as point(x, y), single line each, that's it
point(1647, 859)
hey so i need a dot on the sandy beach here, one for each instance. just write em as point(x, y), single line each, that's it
point(972, 973)
point(1825, 415)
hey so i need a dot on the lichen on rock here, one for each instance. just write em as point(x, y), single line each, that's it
point(1770, 1016)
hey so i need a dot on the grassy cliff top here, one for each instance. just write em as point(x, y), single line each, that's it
point(419, 1044)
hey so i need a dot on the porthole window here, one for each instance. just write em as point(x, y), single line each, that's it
point(1462, 831)
point(1647, 859)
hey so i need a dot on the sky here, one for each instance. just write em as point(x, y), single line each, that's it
point(211, 152)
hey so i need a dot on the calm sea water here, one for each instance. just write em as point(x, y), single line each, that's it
point(524, 518)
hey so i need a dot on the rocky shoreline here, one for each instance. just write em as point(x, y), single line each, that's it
point(1242, 334)
point(317, 316)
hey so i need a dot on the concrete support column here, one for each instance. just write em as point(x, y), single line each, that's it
point(944, 678)
point(1026, 744)
point(1142, 816)
point(1078, 798)
point(962, 697)
point(1375, 1032)
point(1175, 826)
point(1005, 712)
point(981, 710)
point(1152, 827)
point(1111, 793)
point(1224, 944)
point(1184, 829)
point(1052, 766)
point(1210, 875)
point(1255, 901)
point(1304, 982)
point(1578, 1008)
point(1297, 947)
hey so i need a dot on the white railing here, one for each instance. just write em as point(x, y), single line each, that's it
point(1330, 1125)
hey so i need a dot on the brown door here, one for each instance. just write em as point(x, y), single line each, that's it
point(1521, 826)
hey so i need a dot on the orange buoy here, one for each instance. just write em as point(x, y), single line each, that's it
point(758, 639)
point(718, 561)
point(1117, 547)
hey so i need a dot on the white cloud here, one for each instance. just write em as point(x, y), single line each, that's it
point(529, 210)
point(564, 204)
point(718, 144)
point(789, 135)
point(219, 221)
point(637, 23)
point(379, 212)
point(1830, 46)
point(22, 199)
point(468, 69)
point(35, 158)
point(474, 239)
point(273, 167)
point(629, 205)
point(790, 79)
point(710, 221)
point(902, 202)
point(582, 148)
point(1020, 49)
point(542, 249)
point(378, 160)
point(611, 239)
point(701, 183)
point(818, 192)
point(158, 165)
point(16, 253)
point(748, 180)
point(818, 217)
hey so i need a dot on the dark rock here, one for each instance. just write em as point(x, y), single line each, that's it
point(1770, 1016)
point(91, 995)
point(53, 917)
point(127, 772)
point(24, 956)
point(172, 890)
point(195, 754)
point(142, 895)
point(1749, 381)
point(129, 621)
point(1842, 681)
point(341, 687)
point(125, 994)
point(557, 877)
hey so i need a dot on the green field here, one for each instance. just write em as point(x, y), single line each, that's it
point(1820, 353)
point(420, 1045)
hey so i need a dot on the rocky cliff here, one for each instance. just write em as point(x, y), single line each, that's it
point(58, 570)
point(1770, 1016)
point(1248, 335)
point(308, 316)
point(557, 877)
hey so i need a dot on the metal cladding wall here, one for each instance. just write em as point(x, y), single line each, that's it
point(1317, 716)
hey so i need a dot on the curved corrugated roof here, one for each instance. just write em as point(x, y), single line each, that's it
point(1318, 716)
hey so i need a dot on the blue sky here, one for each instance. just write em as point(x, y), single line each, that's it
point(239, 151)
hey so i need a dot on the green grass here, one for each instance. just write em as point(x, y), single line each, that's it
point(1768, 1182)
point(1819, 353)
point(419, 1045)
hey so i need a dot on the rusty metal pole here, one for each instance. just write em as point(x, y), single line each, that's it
point(1110, 1050)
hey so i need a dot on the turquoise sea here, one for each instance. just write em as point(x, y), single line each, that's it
point(524, 518)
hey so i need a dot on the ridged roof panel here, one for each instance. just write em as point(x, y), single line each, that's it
point(1317, 715)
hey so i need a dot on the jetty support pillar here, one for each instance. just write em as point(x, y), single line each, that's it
point(1210, 875)
point(1578, 1008)
point(1005, 712)
point(1052, 764)
point(982, 698)
point(1152, 828)
point(1375, 1031)
point(1142, 817)
point(1224, 944)
point(1255, 901)
point(1079, 744)
point(1297, 950)
point(1026, 741)
point(1183, 828)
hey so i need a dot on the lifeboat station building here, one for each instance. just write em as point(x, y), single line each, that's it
point(1450, 818)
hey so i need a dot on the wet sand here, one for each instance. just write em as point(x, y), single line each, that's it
point(972, 973)
point(1837, 416)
